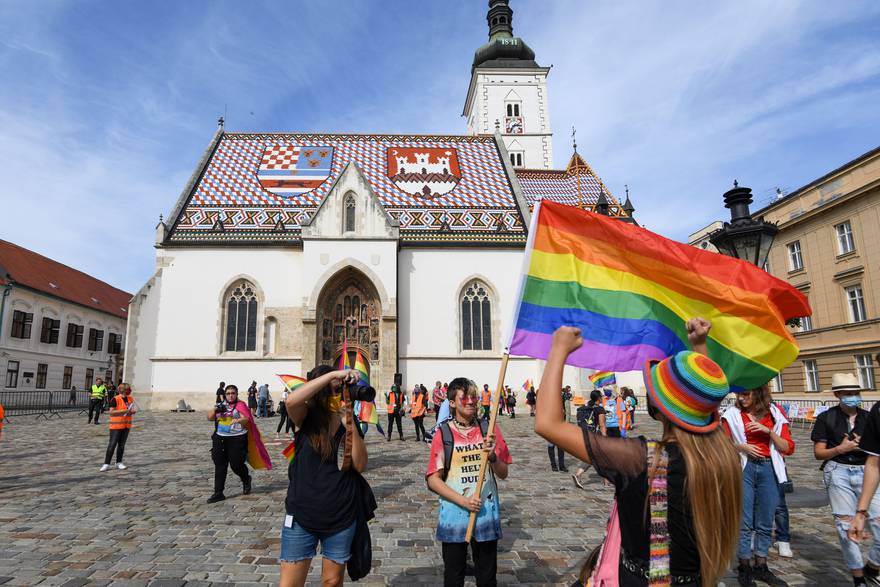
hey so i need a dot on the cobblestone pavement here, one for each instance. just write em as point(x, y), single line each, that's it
point(64, 523)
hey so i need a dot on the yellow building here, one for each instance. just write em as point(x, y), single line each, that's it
point(828, 247)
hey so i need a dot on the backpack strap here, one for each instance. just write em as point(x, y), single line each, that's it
point(448, 445)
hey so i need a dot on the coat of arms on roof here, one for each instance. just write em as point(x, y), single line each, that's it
point(289, 170)
point(424, 172)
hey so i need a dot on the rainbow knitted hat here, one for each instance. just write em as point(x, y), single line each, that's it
point(688, 388)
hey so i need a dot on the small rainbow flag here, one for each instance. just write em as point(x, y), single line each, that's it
point(289, 452)
point(361, 367)
point(344, 362)
point(527, 385)
point(367, 412)
point(291, 381)
point(631, 292)
point(603, 378)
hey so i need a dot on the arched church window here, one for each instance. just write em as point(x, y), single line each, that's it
point(516, 159)
point(476, 317)
point(350, 206)
point(241, 317)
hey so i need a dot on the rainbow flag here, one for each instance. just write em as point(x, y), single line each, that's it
point(631, 292)
point(527, 385)
point(603, 378)
point(344, 362)
point(291, 381)
point(367, 412)
point(289, 452)
point(361, 367)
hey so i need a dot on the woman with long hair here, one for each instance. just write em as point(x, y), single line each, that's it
point(678, 500)
point(321, 504)
point(760, 434)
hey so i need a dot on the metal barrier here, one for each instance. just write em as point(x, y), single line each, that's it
point(42, 403)
point(801, 411)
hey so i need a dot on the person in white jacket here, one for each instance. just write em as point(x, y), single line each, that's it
point(760, 433)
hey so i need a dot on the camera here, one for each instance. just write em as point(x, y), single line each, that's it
point(221, 407)
point(361, 393)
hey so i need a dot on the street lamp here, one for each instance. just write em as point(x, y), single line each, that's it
point(743, 237)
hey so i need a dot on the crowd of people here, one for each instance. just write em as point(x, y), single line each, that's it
point(708, 493)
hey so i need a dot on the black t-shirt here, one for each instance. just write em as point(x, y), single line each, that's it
point(830, 428)
point(588, 416)
point(320, 497)
point(624, 462)
point(870, 442)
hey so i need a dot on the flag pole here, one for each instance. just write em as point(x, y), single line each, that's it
point(484, 458)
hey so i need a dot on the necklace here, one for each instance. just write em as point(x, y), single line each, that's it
point(464, 425)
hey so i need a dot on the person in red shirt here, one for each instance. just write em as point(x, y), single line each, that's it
point(761, 435)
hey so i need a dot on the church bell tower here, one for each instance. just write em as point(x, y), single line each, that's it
point(508, 91)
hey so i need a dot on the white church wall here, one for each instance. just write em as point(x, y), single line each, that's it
point(189, 357)
point(322, 259)
point(143, 322)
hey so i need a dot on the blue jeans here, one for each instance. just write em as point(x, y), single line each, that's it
point(261, 411)
point(298, 544)
point(760, 495)
point(783, 534)
point(844, 484)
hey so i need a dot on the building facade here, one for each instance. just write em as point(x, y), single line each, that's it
point(285, 248)
point(59, 328)
point(828, 248)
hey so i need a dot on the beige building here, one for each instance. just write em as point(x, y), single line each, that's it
point(828, 247)
point(700, 238)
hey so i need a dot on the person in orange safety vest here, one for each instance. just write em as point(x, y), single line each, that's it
point(396, 405)
point(121, 412)
point(486, 401)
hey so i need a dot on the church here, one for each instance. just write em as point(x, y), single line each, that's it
point(283, 249)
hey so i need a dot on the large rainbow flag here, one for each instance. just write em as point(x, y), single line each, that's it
point(603, 378)
point(631, 292)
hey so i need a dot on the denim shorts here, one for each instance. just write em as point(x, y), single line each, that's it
point(299, 544)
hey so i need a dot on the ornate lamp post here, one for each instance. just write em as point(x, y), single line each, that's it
point(743, 237)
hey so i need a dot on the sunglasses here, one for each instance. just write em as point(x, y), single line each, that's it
point(468, 399)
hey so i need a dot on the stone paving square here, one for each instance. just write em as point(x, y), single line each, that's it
point(64, 523)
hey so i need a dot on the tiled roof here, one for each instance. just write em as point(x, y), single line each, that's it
point(252, 181)
point(576, 185)
point(29, 269)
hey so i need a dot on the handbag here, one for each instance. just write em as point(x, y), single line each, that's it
point(787, 486)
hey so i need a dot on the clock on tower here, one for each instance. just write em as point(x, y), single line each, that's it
point(513, 125)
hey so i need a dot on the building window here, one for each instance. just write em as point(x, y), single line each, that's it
point(865, 368)
point(74, 335)
point(241, 318)
point(516, 159)
point(811, 374)
point(856, 302)
point(67, 378)
point(114, 343)
point(476, 318)
point(777, 383)
point(21, 324)
point(42, 371)
point(513, 108)
point(350, 207)
point(795, 259)
point(96, 339)
point(845, 243)
point(806, 323)
point(49, 332)
point(12, 374)
point(90, 378)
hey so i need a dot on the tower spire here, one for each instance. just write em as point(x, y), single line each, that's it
point(500, 19)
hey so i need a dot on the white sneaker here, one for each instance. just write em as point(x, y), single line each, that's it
point(784, 549)
point(120, 466)
point(104, 467)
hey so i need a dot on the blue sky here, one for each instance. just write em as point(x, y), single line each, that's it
point(105, 107)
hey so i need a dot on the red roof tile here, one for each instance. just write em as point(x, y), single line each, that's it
point(34, 271)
